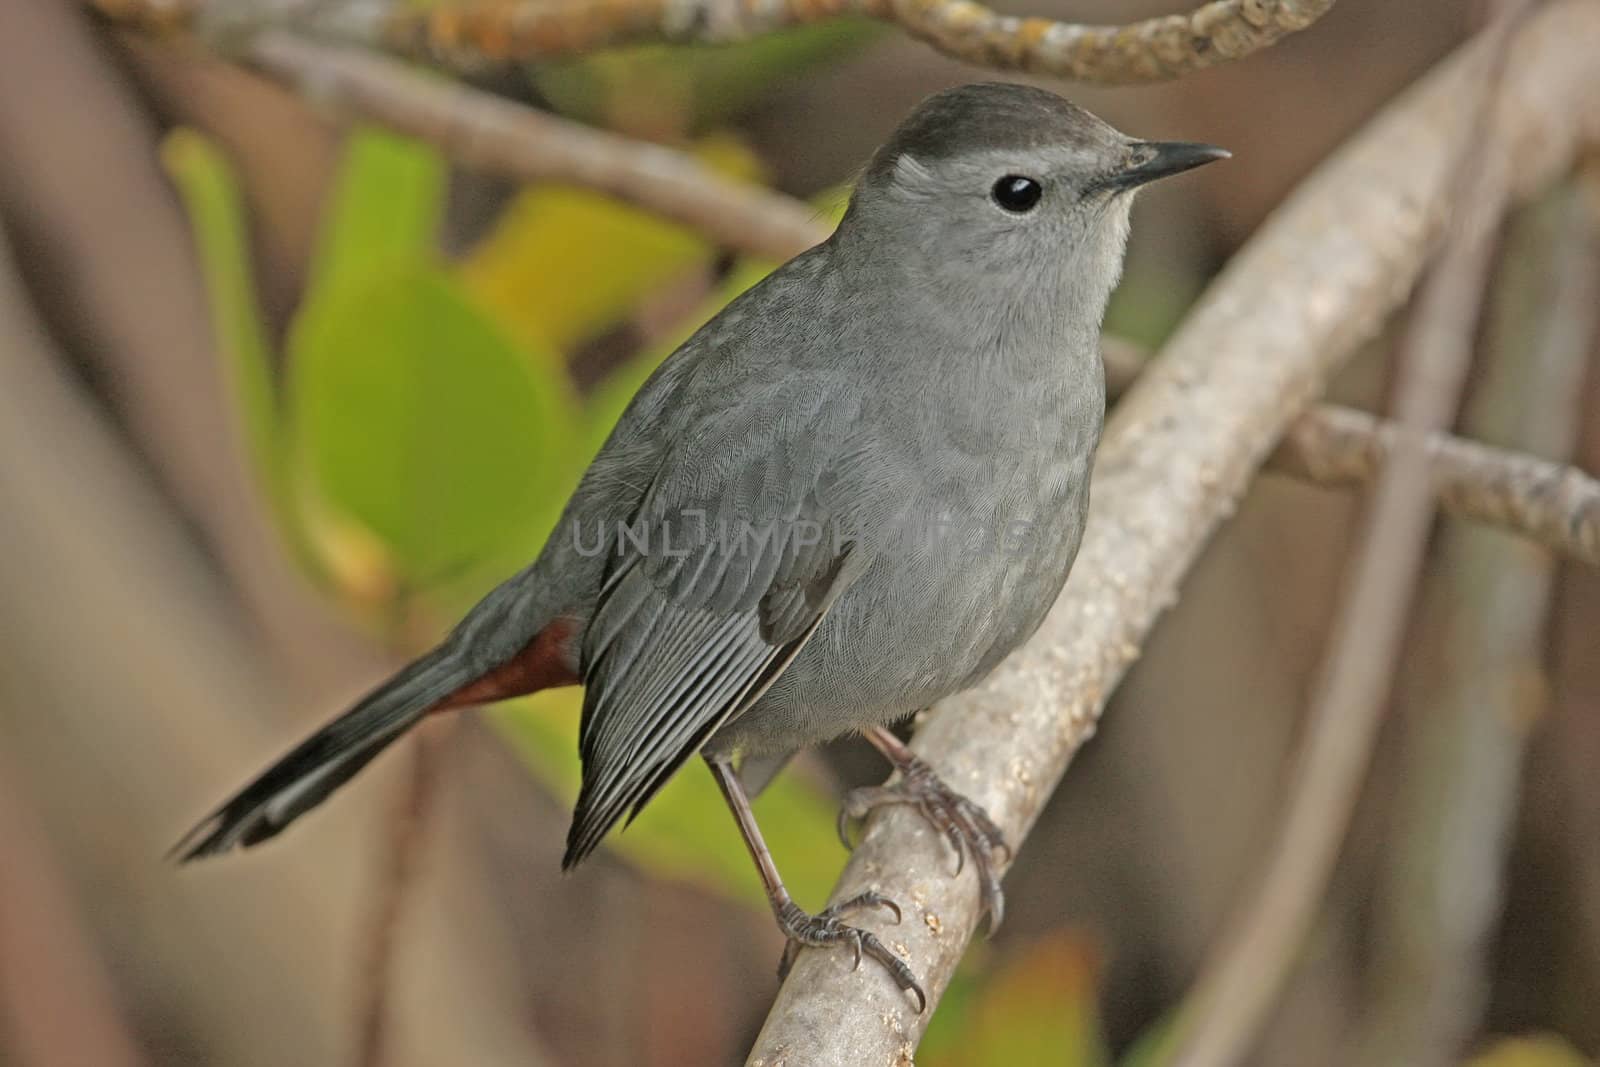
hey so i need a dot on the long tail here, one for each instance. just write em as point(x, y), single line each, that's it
point(327, 759)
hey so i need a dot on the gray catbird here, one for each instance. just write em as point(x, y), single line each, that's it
point(847, 496)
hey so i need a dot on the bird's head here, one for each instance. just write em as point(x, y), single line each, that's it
point(1010, 185)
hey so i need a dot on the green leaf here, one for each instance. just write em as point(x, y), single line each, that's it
point(383, 214)
point(429, 449)
point(215, 207)
point(687, 833)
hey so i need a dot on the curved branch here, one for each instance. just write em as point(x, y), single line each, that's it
point(482, 33)
point(1178, 453)
point(1155, 49)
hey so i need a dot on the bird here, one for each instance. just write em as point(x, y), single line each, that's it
point(847, 496)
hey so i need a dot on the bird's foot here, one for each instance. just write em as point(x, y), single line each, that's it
point(825, 930)
point(964, 824)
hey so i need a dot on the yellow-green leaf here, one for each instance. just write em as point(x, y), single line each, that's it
point(563, 265)
point(1542, 1050)
point(383, 214)
point(611, 397)
point(418, 424)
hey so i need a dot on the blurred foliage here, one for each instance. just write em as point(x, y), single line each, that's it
point(1538, 1051)
point(1037, 1007)
point(669, 90)
point(421, 431)
point(406, 444)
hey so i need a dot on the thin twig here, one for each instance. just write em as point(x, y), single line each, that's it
point(1178, 453)
point(1555, 504)
point(1237, 986)
point(483, 32)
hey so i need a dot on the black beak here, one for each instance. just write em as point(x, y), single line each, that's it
point(1162, 159)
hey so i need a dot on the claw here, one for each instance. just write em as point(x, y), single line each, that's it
point(825, 928)
point(966, 826)
point(869, 899)
point(844, 829)
point(922, 998)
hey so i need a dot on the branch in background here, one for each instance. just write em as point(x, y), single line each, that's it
point(486, 133)
point(1554, 504)
point(1237, 986)
point(1465, 737)
point(1178, 453)
point(57, 1003)
point(483, 32)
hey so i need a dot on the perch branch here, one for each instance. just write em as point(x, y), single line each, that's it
point(1178, 453)
point(487, 32)
point(1239, 983)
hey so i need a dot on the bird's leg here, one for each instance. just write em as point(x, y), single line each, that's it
point(967, 826)
point(824, 928)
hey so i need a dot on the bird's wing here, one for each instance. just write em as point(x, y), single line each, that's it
point(729, 568)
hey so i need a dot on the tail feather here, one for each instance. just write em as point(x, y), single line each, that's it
point(328, 758)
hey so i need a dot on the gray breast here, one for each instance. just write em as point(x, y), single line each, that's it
point(983, 554)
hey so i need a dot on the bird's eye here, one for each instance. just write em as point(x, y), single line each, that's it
point(1016, 193)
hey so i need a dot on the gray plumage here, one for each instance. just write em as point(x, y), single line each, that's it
point(923, 390)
